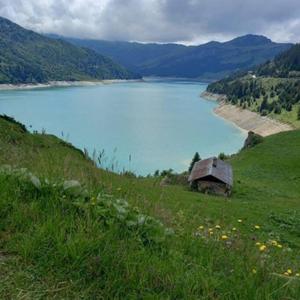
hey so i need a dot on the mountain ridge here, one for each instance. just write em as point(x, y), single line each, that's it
point(28, 57)
point(212, 60)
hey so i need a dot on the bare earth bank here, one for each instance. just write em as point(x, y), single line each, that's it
point(246, 119)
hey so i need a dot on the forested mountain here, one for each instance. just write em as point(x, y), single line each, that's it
point(213, 60)
point(271, 88)
point(28, 57)
point(285, 65)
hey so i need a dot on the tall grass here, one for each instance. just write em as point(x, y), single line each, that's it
point(65, 240)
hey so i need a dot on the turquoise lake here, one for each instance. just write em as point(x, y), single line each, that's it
point(142, 126)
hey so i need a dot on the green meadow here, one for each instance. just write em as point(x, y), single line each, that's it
point(121, 237)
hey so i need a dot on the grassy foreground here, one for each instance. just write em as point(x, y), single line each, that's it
point(115, 237)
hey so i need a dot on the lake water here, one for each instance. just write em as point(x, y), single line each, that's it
point(142, 126)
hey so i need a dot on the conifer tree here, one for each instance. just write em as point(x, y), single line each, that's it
point(194, 160)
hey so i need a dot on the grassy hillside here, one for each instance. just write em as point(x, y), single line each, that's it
point(208, 61)
point(27, 57)
point(59, 241)
point(270, 89)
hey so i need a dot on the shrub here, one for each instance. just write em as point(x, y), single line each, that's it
point(252, 140)
point(223, 156)
point(264, 112)
point(165, 173)
point(277, 109)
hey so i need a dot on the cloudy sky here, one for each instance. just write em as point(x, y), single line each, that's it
point(187, 21)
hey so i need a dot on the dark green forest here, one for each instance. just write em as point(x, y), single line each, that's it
point(271, 87)
point(27, 57)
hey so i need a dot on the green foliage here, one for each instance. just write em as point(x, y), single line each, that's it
point(277, 109)
point(194, 160)
point(298, 113)
point(252, 140)
point(167, 173)
point(27, 57)
point(156, 173)
point(223, 156)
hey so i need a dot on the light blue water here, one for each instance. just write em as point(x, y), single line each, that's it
point(160, 124)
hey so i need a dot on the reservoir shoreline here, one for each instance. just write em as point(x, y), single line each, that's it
point(245, 119)
point(53, 84)
point(137, 124)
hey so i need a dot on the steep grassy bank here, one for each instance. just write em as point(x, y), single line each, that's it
point(58, 242)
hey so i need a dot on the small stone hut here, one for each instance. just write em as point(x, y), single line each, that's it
point(213, 176)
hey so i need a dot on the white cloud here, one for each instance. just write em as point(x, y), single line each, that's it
point(189, 21)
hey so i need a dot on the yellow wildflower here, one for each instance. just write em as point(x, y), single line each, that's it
point(201, 227)
point(233, 229)
point(286, 274)
point(274, 243)
point(297, 274)
point(257, 227)
point(258, 244)
point(254, 271)
point(279, 246)
point(262, 248)
point(289, 271)
point(224, 237)
point(240, 221)
point(211, 232)
point(218, 227)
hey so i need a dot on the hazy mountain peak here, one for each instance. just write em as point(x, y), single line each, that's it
point(250, 40)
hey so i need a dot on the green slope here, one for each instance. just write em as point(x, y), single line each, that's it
point(27, 57)
point(56, 243)
point(213, 60)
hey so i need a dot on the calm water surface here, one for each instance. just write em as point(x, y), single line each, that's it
point(158, 124)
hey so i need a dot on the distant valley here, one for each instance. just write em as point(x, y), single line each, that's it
point(210, 61)
point(28, 57)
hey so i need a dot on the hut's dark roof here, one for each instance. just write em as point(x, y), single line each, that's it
point(214, 167)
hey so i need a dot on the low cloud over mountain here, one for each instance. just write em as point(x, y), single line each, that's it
point(189, 21)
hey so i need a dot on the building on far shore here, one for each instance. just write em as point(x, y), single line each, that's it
point(212, 176)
